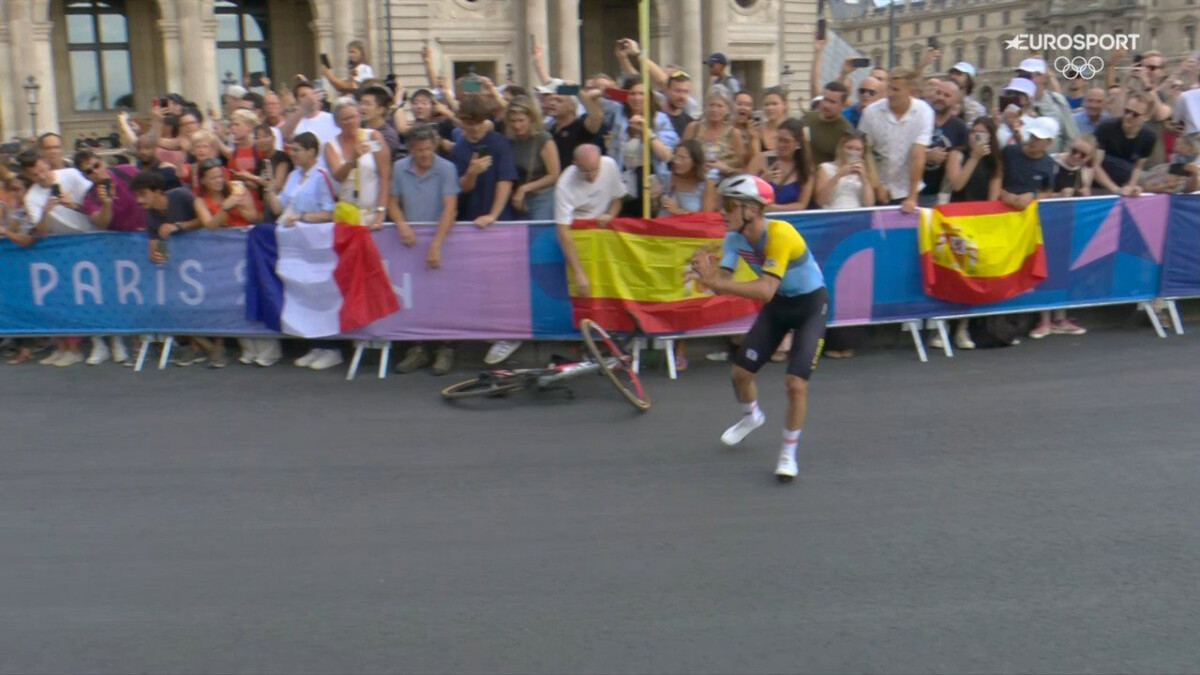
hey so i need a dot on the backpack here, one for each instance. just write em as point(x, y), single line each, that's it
point(1002, 330)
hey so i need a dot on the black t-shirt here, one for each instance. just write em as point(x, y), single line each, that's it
point(1120, 151)
point(952, 135)
point(574, 135)
point(976, 189)
point(181, 206)
point(680, 122)
point(1024, 174)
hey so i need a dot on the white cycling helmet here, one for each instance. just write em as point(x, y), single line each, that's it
point(745, 187)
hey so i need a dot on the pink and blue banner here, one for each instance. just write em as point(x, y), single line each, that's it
point(509, 280)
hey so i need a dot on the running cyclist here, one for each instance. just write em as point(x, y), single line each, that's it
point(793, 289)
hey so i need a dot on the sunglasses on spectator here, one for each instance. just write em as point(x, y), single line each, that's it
point(1080, 152)
point(1153, 67)
point(1133, 113)
point(864, 90)
point(92, 169)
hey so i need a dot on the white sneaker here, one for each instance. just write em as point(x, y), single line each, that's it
point(307, 360)
point(786, 469)
point(69, 359)
point(328, 359)
point(935, 341)
point(52, 360)
point(734, 434)
point(962, 340)
point(267, 351)
point(100, 352)
point(500, 351)
point(119, 353)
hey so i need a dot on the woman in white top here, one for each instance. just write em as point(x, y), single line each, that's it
point(359, 161)
point(850, 181)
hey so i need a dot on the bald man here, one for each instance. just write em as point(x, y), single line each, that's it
point(869, 91)
point(949, 133)
point(591, 188)
point(1093, 112)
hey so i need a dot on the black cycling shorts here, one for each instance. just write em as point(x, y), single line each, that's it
point(805, 314)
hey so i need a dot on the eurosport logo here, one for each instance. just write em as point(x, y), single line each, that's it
point(1079, 67)
point(1044, 42)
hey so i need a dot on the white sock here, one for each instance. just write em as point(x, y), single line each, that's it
point(790, 439)
point(751, 408)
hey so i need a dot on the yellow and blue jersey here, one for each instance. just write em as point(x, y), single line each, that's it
point(784, 255)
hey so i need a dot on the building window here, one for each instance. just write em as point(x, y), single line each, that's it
point(937, 26)
point(1004, 63)
point(877, 58)
point(98, 44)
point(243, 41)
point(916, 28)
point(958, 54)
point(916, 57)
point(958, 23)
point(1189, 37)
point(859, 36)
point(1007, 17)
point(980, 56)
point(878, 34)
point(983, 20)
point(1153, 38)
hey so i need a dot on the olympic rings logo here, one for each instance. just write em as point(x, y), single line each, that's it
point(1079, 67)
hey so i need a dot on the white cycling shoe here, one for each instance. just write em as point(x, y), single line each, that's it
point(734, 434)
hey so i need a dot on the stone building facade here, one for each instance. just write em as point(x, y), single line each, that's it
point(978, 30)
point(93, 57)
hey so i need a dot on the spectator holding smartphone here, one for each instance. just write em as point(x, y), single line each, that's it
point(360, 162)
point(975, 173)
point(625, 144)
point(949, 135)
point(791, 174)
point(54, 198)
point(359, 70)
point(850, 181)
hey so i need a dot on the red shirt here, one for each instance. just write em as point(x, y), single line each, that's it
point(233, 217)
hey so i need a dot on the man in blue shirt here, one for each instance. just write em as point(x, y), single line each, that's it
point(424, 189)
point(1093, 111)
point(485, 166)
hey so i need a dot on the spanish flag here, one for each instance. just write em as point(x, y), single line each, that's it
point(980, 252)
point(643, 267)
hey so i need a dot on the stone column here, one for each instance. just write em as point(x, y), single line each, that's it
point(9, 117)
point(172, 57)
point(691, 13)
point(42, 67)
point(567, 61)
point(717, 40)
point(536, 27)
point(323, 32)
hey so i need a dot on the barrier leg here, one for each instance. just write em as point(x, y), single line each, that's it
point(637, 356)
point(359, 345)
point(944, 333)
point(383, 359)
point(914, 327)
point(1176, 321)
point(1149, 309)
point(166, 351)
point(142, 352)
point(669, 345)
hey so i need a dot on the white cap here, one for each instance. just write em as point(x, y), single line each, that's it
point(964, 68)
point(1033, 65)
point(1023, 86)
point(550, 87)
point(235, 90)
point(1044, 127)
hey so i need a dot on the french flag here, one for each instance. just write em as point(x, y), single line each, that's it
point(315, 279)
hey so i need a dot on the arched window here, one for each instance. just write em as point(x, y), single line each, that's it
point(959, 49)
point(243, 38)
point(877, 58)
point(980, 56)
point(917, 52)
point(1004, 53)
point(98, 44)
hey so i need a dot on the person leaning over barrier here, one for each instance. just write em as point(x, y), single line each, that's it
point(424, 189)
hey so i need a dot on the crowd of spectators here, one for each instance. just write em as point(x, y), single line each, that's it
point(351, 146)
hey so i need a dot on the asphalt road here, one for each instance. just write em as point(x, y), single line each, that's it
point(1024, 510)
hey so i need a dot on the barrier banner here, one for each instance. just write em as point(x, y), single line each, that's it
point(508, 281)
point(1181, 267)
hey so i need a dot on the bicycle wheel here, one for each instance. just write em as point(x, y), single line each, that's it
point(617, 366)
point(488, 385)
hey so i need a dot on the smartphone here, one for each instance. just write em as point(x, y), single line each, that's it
point(567, 90)
point(772, 157)
point(860, 62)
point(618, 95)
point(389, 81)
point(55, 190)
point(1178, 169)
point(472, 85)
point(758, 116)
point(820, 29)
point(483, 151)
point(1009, 99)
point(256, 78)
point(325, 61)
point(981, 137)
point(160, 247)
point(933, 43)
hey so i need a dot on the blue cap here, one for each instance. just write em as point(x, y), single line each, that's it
point(717, 57)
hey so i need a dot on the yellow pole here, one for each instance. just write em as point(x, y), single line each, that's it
point(647, 120)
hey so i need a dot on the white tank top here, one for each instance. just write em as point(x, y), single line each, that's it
point(363, 179)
